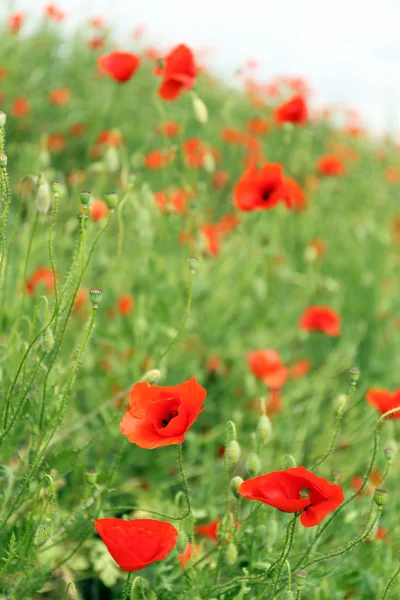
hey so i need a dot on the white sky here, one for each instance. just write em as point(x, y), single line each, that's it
point(349, 50)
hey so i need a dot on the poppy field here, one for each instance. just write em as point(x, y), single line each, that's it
point(200, 329)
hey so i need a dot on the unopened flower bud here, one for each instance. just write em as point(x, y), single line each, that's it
point(111, 199)
point(193, 263)
point(301, 577)
point(85, 197)
point(380, 497)
point(253, 465)
point(3, 118)
point(264, 429)
point(200, 109)
point(91, 477)
point(43, 532)
point(56, 186)
point(181, 542)
point(111, 159)
point(231, 554)
point(152, 376)
point(3, 160)
point(389, 452)
point(236, 482)
point(354, 374)
point(232, 454)
point(335, 475)
point(48, 340)
point(95, 296)
point(209, 162)
point(43, 199)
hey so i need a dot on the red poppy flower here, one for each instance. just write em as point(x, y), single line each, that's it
point(260, 189)
point(120, 66)
point(220, 179)
point(125, 305)
point(196, 152)
point(330, 165)
point(137, 543)
point(321, 318)
point(160, 416)
point(267, 366)
point(258, 126)
point(55, 14)
point(111, 137)
point(41, 275)
point(97, 22)
point(174, 199)
point(294, 195)
point(158, 159)
point(179, 73)
point(209, 530)
point(295, 490)
point(293, 111)
point(55, 142)
point(20, 108)
point(212, 236)
point(60, 96)
point(77, 129)
point(15, 21)
point(98, 210)
point(299, 369)
point(168, 128)
point(96, 42)
point(384, 400)
point(3, 72)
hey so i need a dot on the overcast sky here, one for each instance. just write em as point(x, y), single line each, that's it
point(349, 50)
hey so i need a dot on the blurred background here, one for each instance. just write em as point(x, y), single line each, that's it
point(349, 50)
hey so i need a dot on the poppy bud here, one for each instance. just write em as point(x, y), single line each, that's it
point(389, 452)
point(3, 160)
point(301, 577)
point(95, 296)
point(231, 554)
point(253, 465)
point(272, 533)
point(341, 401)
point(335, 475)
point(264, 429)
point(236, 482)
point(181, 542)
point(111, 199)
point(193, 263)
point(111, 159)
point(56, 186)
point(152, 376)
point(209, 162)
point(48, 340)
point(200, 109)
point(354, 374)
point(232, 454)
point(91, 477)
point(3, 118)
point(43, 199)
point(380, 497)
point(85, 197)
point(43, 532)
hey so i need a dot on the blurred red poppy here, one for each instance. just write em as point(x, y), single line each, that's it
point(125, 305)
point(136, 543)
point(55, 14)
point(168, 129)
point(293, 111)
point(15, 21)
point(260, 189)
point(179, 73)
point(321, 318)
point(267, 366)
point(209, 530)
point(295, 490)
point(384, 400)
point(120, 66)
point(161, 416)
point(59, 96)
point(330, 165)
point(42, 275)
point(20, 108)
point(98, 210)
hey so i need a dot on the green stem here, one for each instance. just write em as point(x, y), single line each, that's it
point(184, 321)
point(127, 587)
point(190, 516)
point(390, 584)
point(56, 198)
point(6, 186)
point(284, 554)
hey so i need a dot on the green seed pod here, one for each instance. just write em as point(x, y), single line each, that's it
point(95, 295)
point(236, 482)
point(253, 465)
point(56, 186)
point(85, 197)
point(91, 477)
point(272, 533)
point(301, 577)
point(111, 199)
point(48, 340)
point(380, 497)
point(152, 376)
point(43, 532)
point(354, 374)
point(231, 554)
point(3, 160)
point(232, 454)
point(3, 118)
point(389, 452)
point(264, 429)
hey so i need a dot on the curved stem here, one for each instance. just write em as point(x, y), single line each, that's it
point(390, 584)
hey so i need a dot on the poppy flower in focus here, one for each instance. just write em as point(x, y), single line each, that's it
point(120, 66)
point(179, 73)
point(42, 275)
point(60, 96)
point(125, 305)
point(295, 490)
point(384, 400)
point(321, 318)
point(160, 416)
point(330, 165)
point(20, 108)
point(15, 21)
point(98, 210)
point(55, 14)
point(136, 543)
point(168, 129)
point(260, 189)
point(293, 111)
point(267, 366)
point(209, 530)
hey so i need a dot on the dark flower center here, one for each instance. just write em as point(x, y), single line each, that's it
point(171, 415)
